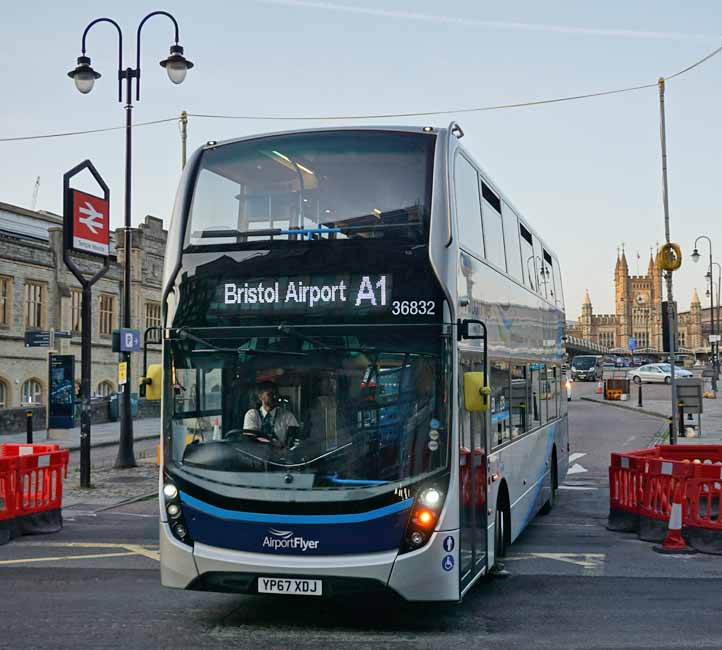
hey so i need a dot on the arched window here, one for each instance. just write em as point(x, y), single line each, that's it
point(105, 389)
point(4, 395)
point(31, 392)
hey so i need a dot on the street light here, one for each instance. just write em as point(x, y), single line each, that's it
point(695, 258)
point(84, 76)
point(719, 297)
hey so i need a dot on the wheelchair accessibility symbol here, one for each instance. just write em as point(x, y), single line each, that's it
point(447, 563)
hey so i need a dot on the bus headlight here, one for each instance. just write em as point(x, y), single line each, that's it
point(430, 497)
point(178, 527)
point(423, 519)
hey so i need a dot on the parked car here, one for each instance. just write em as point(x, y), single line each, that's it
point(660, 373)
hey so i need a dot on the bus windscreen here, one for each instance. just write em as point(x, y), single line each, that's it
point(301, 408)
point(313, 185)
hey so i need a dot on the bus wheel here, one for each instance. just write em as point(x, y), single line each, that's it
point(500, 533)
point(549, 505)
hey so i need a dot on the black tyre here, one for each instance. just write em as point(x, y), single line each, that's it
point(637, 379)
point(551, 501)
point(667, 380)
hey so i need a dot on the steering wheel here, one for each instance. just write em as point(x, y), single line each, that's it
point(251, 434)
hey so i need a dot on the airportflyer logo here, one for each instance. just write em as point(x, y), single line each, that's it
point(285, 539)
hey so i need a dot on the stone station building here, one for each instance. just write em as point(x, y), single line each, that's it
point(38, 292)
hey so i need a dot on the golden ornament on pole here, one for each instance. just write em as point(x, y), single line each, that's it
point(669, 257)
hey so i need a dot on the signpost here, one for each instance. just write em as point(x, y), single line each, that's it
point(61, 398)
point(122, 373)
point(37, 339)
point(86, 228)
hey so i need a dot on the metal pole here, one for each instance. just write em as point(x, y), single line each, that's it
point(719, 298)
point(29, 427)
point(85, 369)
point(125, 457)
point(184, 137)
point(671, 315)
point(711, 319)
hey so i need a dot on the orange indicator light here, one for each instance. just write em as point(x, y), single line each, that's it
point(425, 517)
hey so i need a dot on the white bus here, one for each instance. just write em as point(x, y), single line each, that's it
point(362, 368)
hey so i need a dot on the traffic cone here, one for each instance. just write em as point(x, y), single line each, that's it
point(674, 543)
point(600, 387)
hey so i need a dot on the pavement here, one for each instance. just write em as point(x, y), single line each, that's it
point(110, 487)
point(101, 435)
point(657, 402)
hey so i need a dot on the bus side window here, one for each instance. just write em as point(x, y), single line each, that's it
point(559, 291)
point(511, 239)
point(500, 402)
point(528, 262)
point(541, 279)
point(468, 206)
point(519, 401)
point(534, 395)
point(548, 276)
point(553, 383)
point(493, 227)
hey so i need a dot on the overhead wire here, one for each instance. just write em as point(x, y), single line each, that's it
point(87, 131)
point(299, 118)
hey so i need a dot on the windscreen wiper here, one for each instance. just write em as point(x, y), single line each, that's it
point(231, 232)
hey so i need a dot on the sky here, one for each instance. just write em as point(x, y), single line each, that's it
point(586, 173)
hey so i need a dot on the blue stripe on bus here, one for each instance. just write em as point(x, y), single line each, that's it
point(293, 519)
point(354, 481)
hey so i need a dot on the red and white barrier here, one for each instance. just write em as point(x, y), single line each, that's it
point(645, 486)
point(31, 489)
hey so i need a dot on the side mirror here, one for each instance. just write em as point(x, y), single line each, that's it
point(476, 394)
point(153, 382)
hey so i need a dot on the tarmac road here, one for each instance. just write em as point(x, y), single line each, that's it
point(572, 584)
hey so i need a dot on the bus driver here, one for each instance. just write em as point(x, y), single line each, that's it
point(270, 419)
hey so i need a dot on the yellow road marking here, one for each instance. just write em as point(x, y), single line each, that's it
point(62, 558)
point(140, 550)
point(132, 549)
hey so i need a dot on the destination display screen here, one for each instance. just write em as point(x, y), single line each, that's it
point(315, 294)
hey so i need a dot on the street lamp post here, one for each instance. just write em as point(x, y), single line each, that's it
point(176, 65)
point(695, 258)
point(710, 293)
point(671, 311)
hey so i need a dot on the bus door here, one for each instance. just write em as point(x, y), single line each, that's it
point(472, 475)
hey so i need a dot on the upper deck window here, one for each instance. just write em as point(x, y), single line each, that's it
point(330, 185)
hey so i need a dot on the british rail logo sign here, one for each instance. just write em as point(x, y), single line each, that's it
point(91, 223)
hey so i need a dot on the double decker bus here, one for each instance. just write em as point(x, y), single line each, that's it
point(362, 368)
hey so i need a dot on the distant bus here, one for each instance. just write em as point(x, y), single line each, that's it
point(362, 368)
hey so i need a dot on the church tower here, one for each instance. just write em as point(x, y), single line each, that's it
point(694, 339)
point(655, 304)
point(586, 319)
point(622, 300)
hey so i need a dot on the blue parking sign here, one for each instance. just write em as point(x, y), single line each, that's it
point(632, 344)
point(129, 340)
